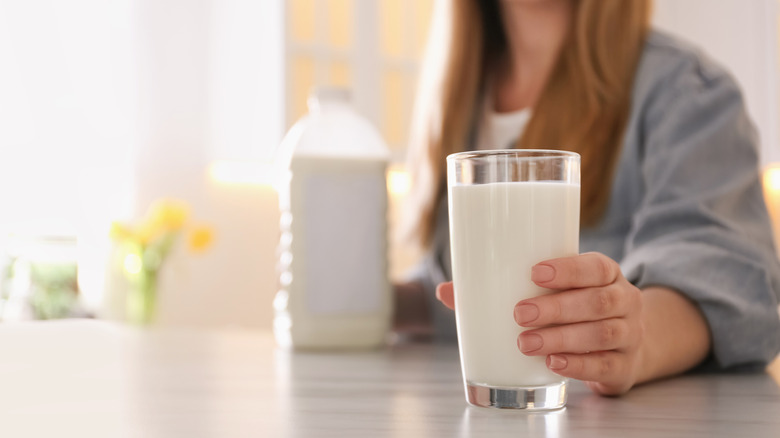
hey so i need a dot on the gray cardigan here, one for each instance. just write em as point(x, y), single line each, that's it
point(686, 210)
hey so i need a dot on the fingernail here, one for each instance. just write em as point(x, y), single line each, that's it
point(556, 362)
point(542, 273)
point(530, 343)
point(526, 313)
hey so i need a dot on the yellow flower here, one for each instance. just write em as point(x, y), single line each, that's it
point(176, 215)
point(147, 232)
point(161, 225)
point(120, 231)
point(163, 216)
point(201, 239)
point(168, 214)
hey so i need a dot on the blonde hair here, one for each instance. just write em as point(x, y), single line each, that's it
point(584, 106)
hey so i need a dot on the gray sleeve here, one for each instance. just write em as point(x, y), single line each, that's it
point(703, 228)
point(435, 269)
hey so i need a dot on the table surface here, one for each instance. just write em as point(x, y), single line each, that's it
point(97, 379)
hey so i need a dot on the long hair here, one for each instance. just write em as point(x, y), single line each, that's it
point(584, 106)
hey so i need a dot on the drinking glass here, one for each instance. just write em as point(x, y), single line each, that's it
point(508, 210)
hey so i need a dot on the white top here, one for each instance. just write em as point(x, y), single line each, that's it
point(501, 130)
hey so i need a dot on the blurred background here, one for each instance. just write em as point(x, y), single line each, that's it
point(107, 107)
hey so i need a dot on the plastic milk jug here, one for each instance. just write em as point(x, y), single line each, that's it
point(334, 291)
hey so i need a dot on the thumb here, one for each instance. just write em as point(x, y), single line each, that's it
point(445, 293)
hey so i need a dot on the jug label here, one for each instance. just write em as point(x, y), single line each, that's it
point(346, 242)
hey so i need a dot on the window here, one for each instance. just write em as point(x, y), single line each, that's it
point(66, 106)
point(372, 47)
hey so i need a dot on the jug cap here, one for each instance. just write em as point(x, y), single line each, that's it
point(326, 95)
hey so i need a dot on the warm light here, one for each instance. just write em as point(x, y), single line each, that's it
point(772, 178)
point(242, 172)
point(772, 199)
point(133, 263)
point(398, 181)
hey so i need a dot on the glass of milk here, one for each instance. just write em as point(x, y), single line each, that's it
point(509, 210)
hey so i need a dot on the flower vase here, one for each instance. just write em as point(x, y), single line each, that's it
point(142, 298)
point(144, 250)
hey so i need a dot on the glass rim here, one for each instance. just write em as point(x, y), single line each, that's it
point(514, 153)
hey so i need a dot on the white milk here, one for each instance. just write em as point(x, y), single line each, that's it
point(498, 232)
point(334, 291)
point(333, 255)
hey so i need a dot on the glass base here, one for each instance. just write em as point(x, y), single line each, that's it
point(529, 398)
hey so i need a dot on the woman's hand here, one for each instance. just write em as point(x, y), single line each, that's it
point(591, 329)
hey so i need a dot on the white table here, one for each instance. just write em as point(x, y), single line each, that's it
point(96, 379)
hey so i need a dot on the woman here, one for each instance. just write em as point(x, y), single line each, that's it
point(679, 270)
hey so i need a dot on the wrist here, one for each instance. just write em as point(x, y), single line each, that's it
point(646, 366)
point(675, 334)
